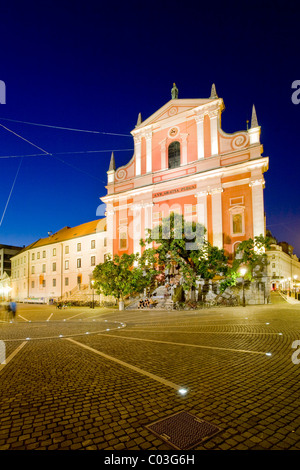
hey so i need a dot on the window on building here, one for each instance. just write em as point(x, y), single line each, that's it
point(38, 255)
point(53, 266)
point(123, 240)
point(67, 264)
point(104, 241)
point(237, 223)
point(174, 154)
point(43, 268)
point(78, 246)
point(54, 252)
point(54, 282)
point(237, 220)
point(44, 254)
point(44, 283)
point(79, 263)
point(67, 250)
point(66, 281)
point(32, 269)
point(93, 244)
point(32, 284)
point(93, 260)
point(32, 256)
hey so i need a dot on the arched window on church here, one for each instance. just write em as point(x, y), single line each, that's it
point(174, 154)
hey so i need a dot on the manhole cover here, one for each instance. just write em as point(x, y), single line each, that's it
point(183, 430)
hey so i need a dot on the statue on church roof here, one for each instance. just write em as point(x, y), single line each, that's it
point(174, 92)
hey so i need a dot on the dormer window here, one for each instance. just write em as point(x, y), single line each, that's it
point(174, 154)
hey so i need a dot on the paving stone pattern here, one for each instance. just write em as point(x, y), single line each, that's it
point(58, 395)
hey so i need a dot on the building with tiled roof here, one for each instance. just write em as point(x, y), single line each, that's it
point(56, 266)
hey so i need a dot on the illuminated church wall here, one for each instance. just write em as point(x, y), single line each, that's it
point(183, 161)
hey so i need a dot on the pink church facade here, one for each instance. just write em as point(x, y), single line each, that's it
point(184, 162)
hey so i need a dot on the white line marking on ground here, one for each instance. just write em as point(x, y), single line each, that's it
point(23, 318)
point(112, 328)
point(206, 332)
point(49, 317)
point(9, 358)
point(184, 344)
point(129, 366)
point(77, 315)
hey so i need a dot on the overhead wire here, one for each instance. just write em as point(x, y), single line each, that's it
point(66, 128)
point(65, 153)
point(11, 190)
point(23, 138)
point(45, 153)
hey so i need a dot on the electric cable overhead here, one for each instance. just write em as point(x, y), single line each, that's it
point(12, 188)
point(28, 141)
point(65, 153)
point(46, 153)
point(66, 128)
point(51, 155)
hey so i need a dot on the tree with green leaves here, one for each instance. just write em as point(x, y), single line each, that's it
point(122, 276)
point(183, 244)
point(251, 255)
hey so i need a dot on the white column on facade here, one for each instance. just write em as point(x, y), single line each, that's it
point(163, 153)
point(213, 115)
point(148, 136)
point(258, 207)
point(148, 206)
point(138, 149)
point(184, 148)
point(148, 211)
point(202, 208)
point(110, 228)
point(216, 208)
point(200, 136)
point(137, 227)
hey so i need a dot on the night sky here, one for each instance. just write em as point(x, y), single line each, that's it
point(94, 65)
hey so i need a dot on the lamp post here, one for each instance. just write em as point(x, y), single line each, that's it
point(92, 283)
point(243, 272)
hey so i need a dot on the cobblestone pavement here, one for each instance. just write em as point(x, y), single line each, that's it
point(95, 378)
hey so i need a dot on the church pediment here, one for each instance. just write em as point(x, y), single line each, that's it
point(172, 108)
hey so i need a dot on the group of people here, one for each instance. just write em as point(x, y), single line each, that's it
point(10, 308)
point(145, 303)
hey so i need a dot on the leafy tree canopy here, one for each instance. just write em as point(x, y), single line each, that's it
point(251, 254)
point(121, 276)
point(183, 243)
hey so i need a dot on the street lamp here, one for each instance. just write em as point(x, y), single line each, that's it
point(243, 272)
point(92, 283)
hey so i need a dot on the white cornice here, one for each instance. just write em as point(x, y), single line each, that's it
point(220, 172)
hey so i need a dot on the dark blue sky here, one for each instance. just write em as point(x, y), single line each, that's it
point(95, 65)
